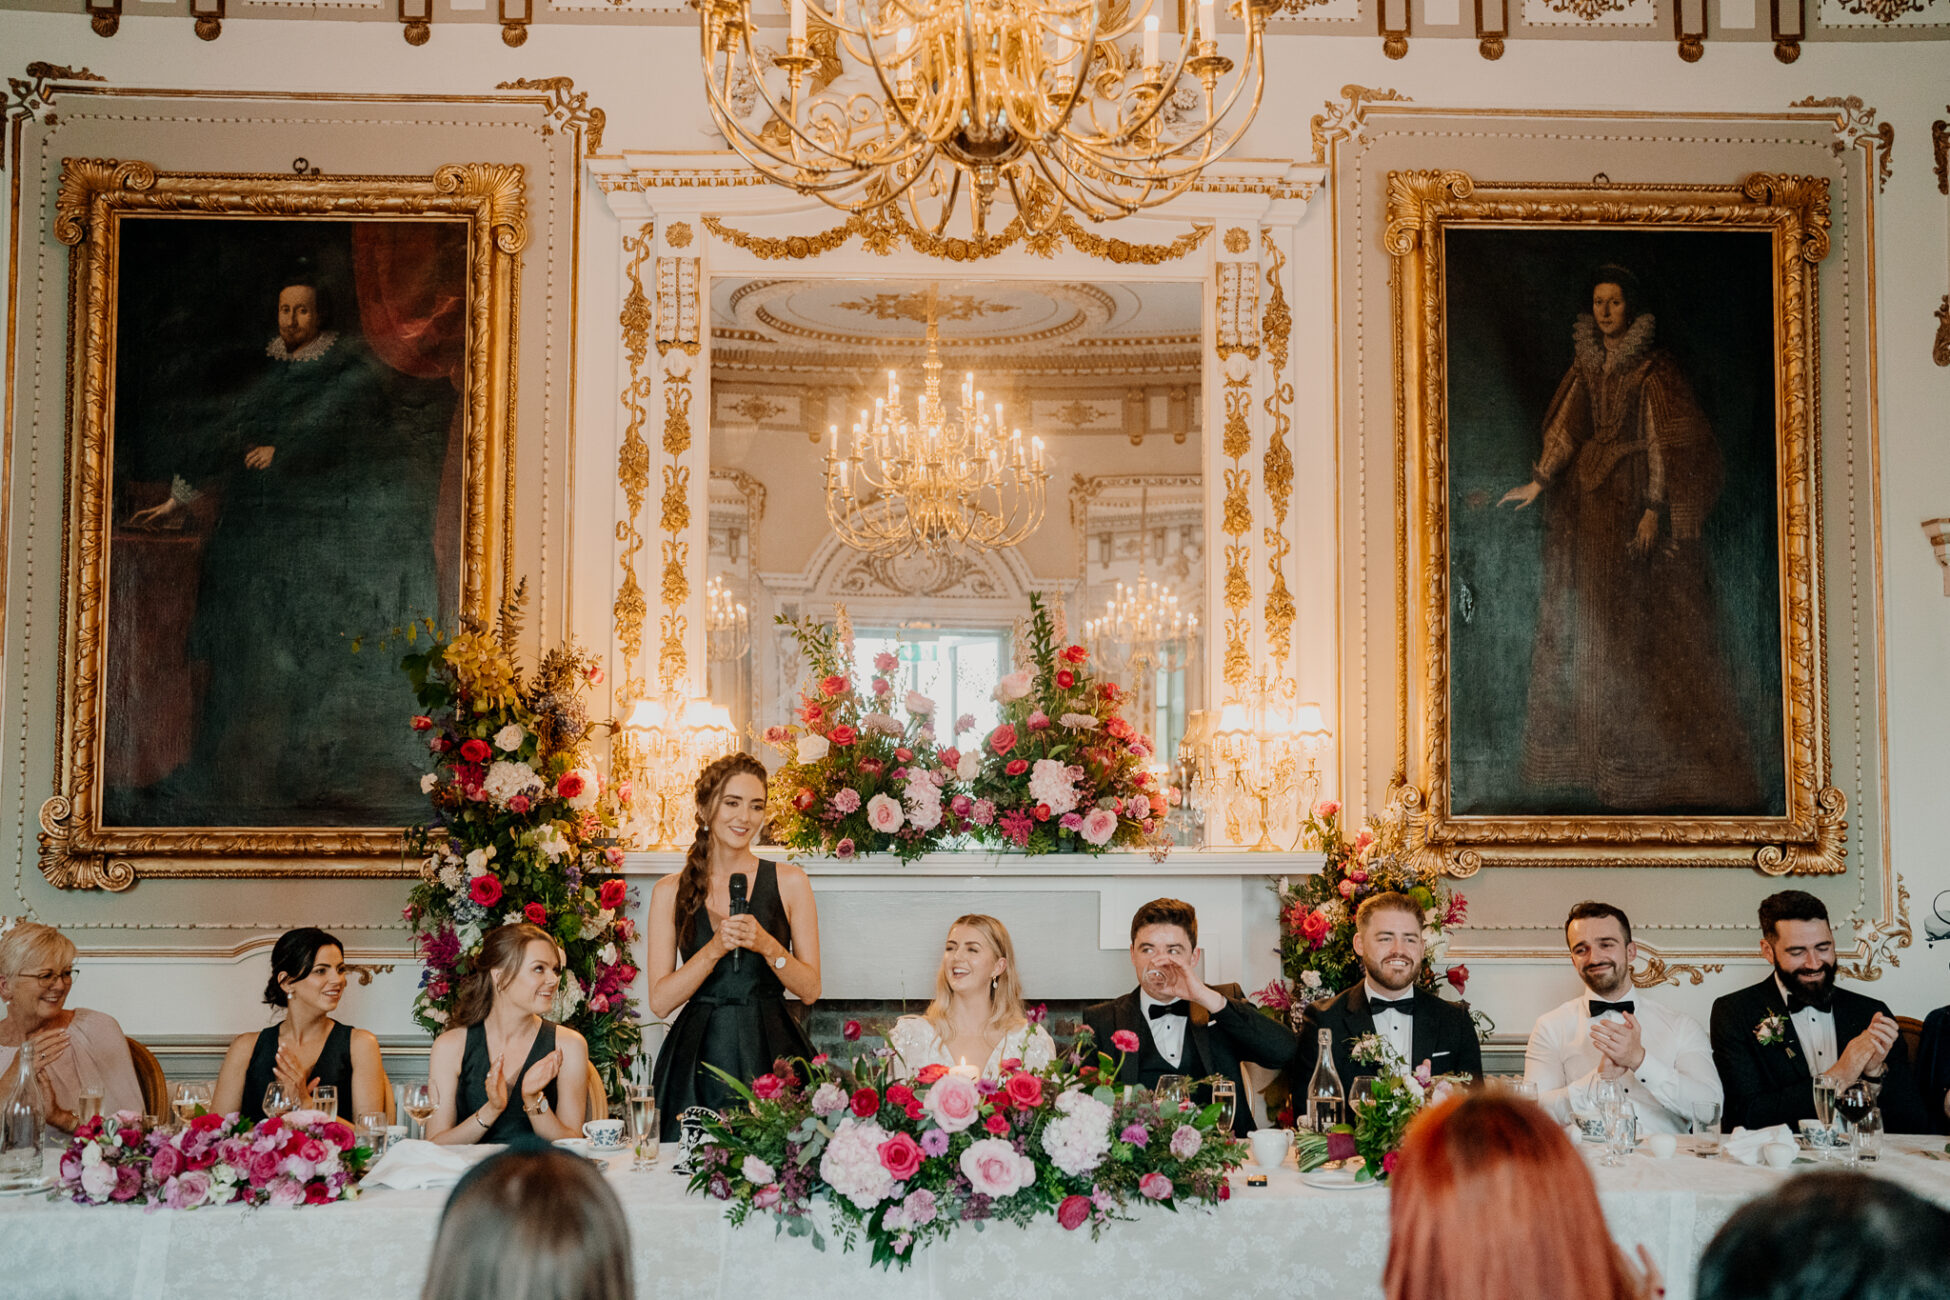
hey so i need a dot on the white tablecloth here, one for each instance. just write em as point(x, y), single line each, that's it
point(1285, 1240)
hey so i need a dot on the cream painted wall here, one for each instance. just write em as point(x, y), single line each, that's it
point(644, 79)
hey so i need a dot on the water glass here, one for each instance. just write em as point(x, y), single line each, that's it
point(1621, 1134)
point(1360, 1094)
point(1868, 1136)
point(1706, 1125)
point(372, 1132)
point(325, 1097)
point(1522, 1088)
point(1226, 1094)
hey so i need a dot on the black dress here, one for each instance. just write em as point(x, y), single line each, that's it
point(512, 1122)
point(334, 1066)
point(737, 1020)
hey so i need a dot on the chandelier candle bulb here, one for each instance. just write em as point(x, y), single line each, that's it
point(798, 8)
point(1151, 41)
point(903, 48)
point(1207, 30)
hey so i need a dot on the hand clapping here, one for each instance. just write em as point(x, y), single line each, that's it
point(287, 1070)
point(1620, 1042)
point(539, 1076)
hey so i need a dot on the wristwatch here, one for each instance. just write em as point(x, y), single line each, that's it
point(778, 962)
point(539, 1108)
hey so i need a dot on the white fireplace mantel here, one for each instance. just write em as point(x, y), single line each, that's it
point(881, 922)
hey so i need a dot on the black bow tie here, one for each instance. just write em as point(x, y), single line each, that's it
point(1599, 1008)
point(1404, 1005)
point(1797, 1002)
point(1159, 1010)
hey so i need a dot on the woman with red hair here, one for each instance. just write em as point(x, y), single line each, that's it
point(1490, 1201)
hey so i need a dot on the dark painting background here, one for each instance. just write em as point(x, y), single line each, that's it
point(233, 696)
point(1513, 296)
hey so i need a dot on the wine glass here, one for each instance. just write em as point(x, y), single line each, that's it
point(1173, 1088)
point(278, 1099)
point(1854, 1103)
point(1360, 1094)
point(190, 1100)
point(420, 1101)
point(1226, 1094)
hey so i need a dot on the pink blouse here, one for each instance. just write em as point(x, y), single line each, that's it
point(96, 1050)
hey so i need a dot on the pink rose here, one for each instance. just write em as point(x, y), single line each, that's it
point(767, 1197)
point(1328, 809)
point(1389, 1161)
point(128, 1182)
point(167, 1163)
point(833, 685)
point(997, 1124)
point(1073, 1213)
point(994, 1168)
point(1025, 1091)
point(98, 1181)
point(187, 1191)
point(884, 814)
point(850, 1031)
point(1124, 1041)
point(263, 1167)
point(1039, 721)
point(954, 1103)
point(1155, 1186)
point(421, 722)
point(287, 1193)
point(1347, 888)
point(767, 1087)
point(900, 1156)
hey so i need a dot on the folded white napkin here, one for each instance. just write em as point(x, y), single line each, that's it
point(413, 1163)
point(1746, 1144)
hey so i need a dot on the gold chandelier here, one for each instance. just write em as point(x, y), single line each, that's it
point(1142, 630)
point(934, 484)
point(1050, 100)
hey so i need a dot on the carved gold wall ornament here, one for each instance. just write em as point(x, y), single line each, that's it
point(1277, 471)
point(95, 199)
point(569, 109)
point(1940, 351)
point(1657, 970)
point(1794, 211)
point(32, 95)
point(1343, 121)
point(630, 609)
point(679, 313)
point(879, 231)
point(1939, 145)
point(1237, 240)
point(1878, 941)
point(679, 234)
point(1856, 128)
point(1238, 321)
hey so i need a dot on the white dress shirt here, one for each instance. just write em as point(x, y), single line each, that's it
point(1677, 1072)
point(1816, 1030)
point(1167, 1032)
point(1398, 1030)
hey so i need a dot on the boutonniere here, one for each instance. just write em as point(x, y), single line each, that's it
point(1773, 1030)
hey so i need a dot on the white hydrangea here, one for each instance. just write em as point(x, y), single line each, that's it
point(506, 780)
point(477, 861)
point(550, 841)
point(1050, 782)
point(1078, 1141)
point(851, 1163)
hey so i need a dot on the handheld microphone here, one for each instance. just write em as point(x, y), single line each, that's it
point(740, 906)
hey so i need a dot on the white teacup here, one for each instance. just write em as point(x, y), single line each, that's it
point(604, 1133)
point(1778, 1155)
point(1662, 1145)
point(1269, 1146)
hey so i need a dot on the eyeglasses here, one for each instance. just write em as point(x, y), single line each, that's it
point(50, 976)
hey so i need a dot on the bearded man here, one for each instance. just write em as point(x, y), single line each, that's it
point(1773, 1040)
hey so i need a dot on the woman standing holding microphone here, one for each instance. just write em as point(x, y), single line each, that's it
point(728, 966)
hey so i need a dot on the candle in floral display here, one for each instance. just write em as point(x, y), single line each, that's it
point(966, 1071)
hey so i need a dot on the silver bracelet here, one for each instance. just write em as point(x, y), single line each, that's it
point(476, 1117)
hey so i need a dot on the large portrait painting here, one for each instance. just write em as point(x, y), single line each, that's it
point(289, 398)
point(1610, 450)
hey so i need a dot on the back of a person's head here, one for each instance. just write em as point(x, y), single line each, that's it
point(1489, 1201)
point(1828, 1235)
point(533, 1223)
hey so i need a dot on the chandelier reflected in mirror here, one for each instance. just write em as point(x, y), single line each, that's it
point(1055, 102)
point(727, 623)
point(1142, 630)
point(932, 483)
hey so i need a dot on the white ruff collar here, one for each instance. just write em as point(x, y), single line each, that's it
point(1593, 355)
point(311, 351)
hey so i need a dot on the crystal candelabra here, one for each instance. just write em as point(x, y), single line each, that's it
point(930, 483)
point(1056, 104)
point(1258, 764)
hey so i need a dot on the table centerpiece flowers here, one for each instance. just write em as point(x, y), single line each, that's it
point(1063, 770)
point(1395, 1096)
point(304, 1157)
point(863, 772)
point(521, 829)
point(902, 1164)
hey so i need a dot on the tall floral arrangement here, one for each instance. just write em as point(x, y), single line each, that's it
point(903, 1164)
point(1064, 769)
point(1317, 912)
point(520, 820)
point(863, 772)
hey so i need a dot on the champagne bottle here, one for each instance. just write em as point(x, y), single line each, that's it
point(1326, 1100)
point(20, 1125)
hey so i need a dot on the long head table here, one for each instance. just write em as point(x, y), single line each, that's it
point(1285, 1240)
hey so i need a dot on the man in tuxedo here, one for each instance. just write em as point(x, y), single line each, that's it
point(1419, 1025)
point(1771, 1041)
point(1183, 1025)
point(1660, 1058)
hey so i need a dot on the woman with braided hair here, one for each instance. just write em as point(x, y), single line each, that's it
point(729, 972)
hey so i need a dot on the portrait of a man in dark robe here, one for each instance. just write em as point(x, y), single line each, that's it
point(281, 499)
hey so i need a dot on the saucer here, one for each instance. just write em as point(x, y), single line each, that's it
point(1347, 1178)
point(579, 1146)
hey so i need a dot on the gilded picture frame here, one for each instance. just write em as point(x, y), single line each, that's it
point(125, 220)
point(1609, 583)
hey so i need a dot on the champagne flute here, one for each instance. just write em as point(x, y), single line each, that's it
point(420, 1102)
point(643, 1118)
point(1226, 1094)
point(278, 1100)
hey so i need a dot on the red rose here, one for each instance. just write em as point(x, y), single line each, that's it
point(866, 1103)
point(486, 890)
point(519, 804)
point(900, 1155)
point(930, 1074)
point(612, 895)
point(998, 1124)
point(1075, 654)
point(569, 784)
point(899, 1094)
point(850, 1031)
point(1002, 740)
point(1025, 1091)
point(1315, 926)
point(536, 913)
point(1042, 812)
point(1016, 766)
point(1065, 678)
point(904, 755)
point(804, 799)
point(421, 722)
point(475, 750)
point(1389, 1161)
point(915, 1110)
point(951, 757)
point(1011, 1065)
point(1457, 977)
point(873, 766)
point(1225, 1191)
point(1109, 689)
point(1118, 728)
point(833, 685)
point(206, 1122)
point(842, 735)
point(1073, 1213)
point(812, 713)
point(767, 1087)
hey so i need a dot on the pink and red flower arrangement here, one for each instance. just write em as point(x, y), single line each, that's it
point(904, 1163)
point(302, 1158)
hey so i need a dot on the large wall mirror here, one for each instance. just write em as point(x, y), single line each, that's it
point(1105, 373)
